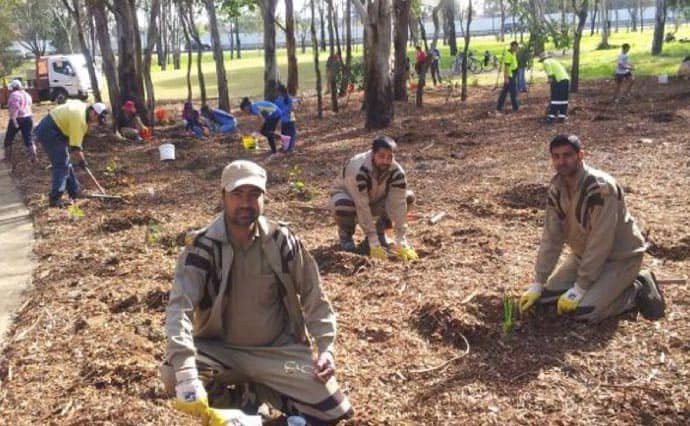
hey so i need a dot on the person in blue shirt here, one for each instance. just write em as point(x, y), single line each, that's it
point(222, 121)
point(287, 119)
point(271, 115)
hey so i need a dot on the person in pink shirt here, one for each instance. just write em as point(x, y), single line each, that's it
point(19, 106)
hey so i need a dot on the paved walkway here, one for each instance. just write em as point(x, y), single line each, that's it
point(16, 244)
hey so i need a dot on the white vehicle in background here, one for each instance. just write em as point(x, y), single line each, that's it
point(55, 78)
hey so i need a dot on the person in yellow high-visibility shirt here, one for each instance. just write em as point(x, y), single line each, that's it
point(560, 85)
point(61, 133)
point(510, 66)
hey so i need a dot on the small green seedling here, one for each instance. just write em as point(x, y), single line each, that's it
point(508, 310)
point(111, 166)
point(297, 185)
point(74, 212)
point(152, 233)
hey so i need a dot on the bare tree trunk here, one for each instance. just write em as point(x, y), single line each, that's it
point(291, 44)
point(348, 46)
point(434, 17)
point(129, 54)
point(188, 40)
point(238, 43)
point(98, 11)
point(581, 11)
point(322, 20)
point(422, 33)
point(595, 9)
point(268, 8)
point(604, 19)
point(317, 70)
point(633, 18)
point(187, 18)
point(401, 9)
point(151, 36)
point(659, 23)
point(376, 18)
point(501, 31)
point(329, 17)
point(221, 77)
point(463, 93)
point(231, 40)
point(641, 8)
point(450, 13)
point(75, 12)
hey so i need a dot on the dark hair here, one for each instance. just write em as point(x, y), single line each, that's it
point(245, 103)
point(625, 46)
point(282, 89)
point(563, 140)
point(513, 43)
point(383, 142)
point(205, 110)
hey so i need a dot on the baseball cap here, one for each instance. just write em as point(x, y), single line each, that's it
point(129, 106)
point(99, 108)
point(243, 172)
point(15, 84)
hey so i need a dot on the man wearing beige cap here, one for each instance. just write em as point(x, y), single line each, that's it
point(246, 309)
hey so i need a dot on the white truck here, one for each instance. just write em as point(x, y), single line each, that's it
point(55, 78)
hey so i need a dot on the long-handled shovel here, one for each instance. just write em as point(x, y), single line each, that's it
point(102, 195)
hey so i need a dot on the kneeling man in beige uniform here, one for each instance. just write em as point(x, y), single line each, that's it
point(247, 309)
point(601, 276)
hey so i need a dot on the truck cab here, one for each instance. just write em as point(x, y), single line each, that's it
point(67, 77)
point(56, 78)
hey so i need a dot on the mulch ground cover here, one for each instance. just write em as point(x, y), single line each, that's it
point(418, 343)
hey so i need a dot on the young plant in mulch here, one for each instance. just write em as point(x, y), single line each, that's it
point(297, 186)
point(508, 314)
point(152, 233)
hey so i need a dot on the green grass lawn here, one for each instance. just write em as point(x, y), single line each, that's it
point(245, 76)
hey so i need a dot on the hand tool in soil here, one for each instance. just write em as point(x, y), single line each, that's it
point(102, 195)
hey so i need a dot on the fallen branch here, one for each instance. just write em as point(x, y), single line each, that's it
point(21, 335)
point(445, 363)
point(427, 147)
point(433, 220)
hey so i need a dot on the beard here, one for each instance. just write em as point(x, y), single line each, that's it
point(242, 217)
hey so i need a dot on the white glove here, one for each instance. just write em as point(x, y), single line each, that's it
point(189, 388)
point(402, 242)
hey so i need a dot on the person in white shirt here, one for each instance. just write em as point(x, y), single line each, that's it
point(623, 74)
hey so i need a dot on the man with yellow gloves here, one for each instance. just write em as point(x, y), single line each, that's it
point(560, 84)
point(61, 133)
point(601, 277)
point(373, 185)
point(247, 309)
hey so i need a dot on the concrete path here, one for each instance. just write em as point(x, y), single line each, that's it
point(16, 244)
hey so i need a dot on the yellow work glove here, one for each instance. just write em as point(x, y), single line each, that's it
point(215, 418)
point(191, 395)
point(530, 296)
point(570, 299)
point(405, 253)
point(378, 252)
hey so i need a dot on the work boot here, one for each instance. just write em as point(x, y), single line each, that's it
point(57, 201)
point(346, 241)
point(649, 299)
point(382, 225)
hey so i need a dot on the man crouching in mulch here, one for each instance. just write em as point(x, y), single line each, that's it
point(601, 277)
point(245, 305)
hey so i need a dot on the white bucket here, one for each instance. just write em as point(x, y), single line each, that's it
point(663, 78)
point(167, 151)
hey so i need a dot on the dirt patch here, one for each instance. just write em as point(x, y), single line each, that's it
point(525, 196)
point(676, 252)
point(117, 224)
point(662, 117)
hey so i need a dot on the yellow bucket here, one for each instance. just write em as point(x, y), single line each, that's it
point(249, 142)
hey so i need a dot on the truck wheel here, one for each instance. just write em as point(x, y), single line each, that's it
point(59, 96)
